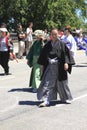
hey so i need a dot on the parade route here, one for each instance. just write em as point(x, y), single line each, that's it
point(19, 106)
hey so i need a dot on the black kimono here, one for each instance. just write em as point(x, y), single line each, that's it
point(54, 78)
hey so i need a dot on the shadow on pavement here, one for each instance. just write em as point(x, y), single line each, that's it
point(80, 65)
point(84, 63)
point(32, 103)
point(2, 74)
point(21, 90)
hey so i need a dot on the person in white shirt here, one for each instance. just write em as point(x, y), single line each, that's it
point(21, 41)
point(4, 50)
point(70, 41)
point(29, 38)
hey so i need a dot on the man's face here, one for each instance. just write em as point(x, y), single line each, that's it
point(66, 32)
point(54, 35)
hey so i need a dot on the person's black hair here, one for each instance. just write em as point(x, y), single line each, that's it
point(30, 23)
point(4, 25)
point(54, 29)
point(19, 24)
point(69, 30)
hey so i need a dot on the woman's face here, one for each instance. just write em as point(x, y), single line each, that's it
point(20, 28)
point(31, 25)
point(3, 34)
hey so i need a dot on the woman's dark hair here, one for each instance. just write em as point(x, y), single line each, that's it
point(3, 25)
point(30, 23)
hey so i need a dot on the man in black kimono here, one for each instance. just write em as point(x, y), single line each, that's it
point(56, 61)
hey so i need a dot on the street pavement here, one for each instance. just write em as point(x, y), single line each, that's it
point(19, 106)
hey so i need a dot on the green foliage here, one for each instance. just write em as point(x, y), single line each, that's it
point(44, 13)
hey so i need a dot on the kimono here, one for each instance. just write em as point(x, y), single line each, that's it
point(54, 78)
point(32, 57)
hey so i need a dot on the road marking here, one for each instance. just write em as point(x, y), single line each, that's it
point(58, 105)
point(75, 99)
point(80, 97)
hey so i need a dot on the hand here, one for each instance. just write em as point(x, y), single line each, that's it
point(42, 68)
point(27, 62)
point(65, 66)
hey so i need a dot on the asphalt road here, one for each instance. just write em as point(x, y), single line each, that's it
point(19, 106)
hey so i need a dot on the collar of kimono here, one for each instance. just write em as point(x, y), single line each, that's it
point(54, 44)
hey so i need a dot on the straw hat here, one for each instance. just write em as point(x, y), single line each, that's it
point(3, 30)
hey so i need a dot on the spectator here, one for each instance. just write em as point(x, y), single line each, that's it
point(70, 41)
point(4, 50)
point(21, 42)
point(29, 38)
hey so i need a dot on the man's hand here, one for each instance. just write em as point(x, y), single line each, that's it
point(27, 62)
point(65, 66)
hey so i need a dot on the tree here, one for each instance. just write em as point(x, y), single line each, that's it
point(44, 13)
point(52, 13)
point(16, 10)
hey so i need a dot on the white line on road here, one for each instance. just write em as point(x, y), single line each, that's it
point(80, 97)
point(59, 105)
point(75, 99)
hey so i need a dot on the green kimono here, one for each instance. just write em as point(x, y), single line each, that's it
point(32, 57)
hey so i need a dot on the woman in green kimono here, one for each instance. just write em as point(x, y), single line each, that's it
point(32, 59)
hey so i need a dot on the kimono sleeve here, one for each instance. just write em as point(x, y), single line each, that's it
point(29, 57)
point(42, 60)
